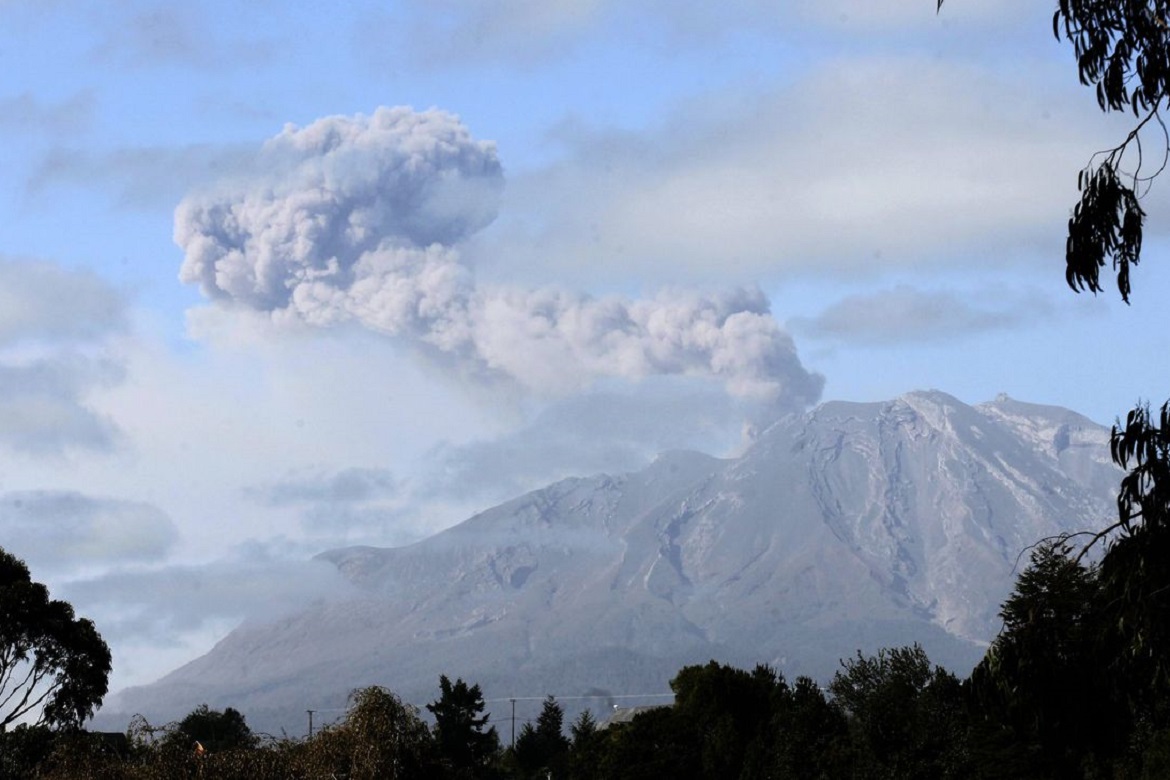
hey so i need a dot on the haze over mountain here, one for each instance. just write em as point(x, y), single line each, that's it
point(852, 526)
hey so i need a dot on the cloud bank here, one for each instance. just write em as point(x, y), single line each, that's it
point(51, 319)
point(348, 506)
point(358, 219)
point(62, 531)
point(601, 431)
point(41, 301)
point(904, 315)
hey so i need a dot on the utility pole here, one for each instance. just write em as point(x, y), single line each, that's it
point(310, 722)
point(513, 724)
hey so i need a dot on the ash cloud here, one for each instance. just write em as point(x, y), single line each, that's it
point(359, 220)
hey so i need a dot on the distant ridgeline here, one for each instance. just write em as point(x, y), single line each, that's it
point(850, 527)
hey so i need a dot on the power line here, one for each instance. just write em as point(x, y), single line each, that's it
point(593, 696)
point(605, 696)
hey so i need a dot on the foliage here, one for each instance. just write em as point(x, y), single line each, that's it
point(54, 667)
point(728, 710)
point(1040, 681)
point(809, 735)
point(906, 718)
point(585, 747)
point(23, 749)
point(382, 738)
point(655, 744)
point(1134, 577)
point(462, 735)
point(212, 730)
point(889, 715)
point(729, 723)
point(543, 748)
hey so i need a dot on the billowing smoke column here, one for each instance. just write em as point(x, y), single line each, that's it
point(358, 219)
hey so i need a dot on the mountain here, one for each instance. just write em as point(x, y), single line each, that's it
point(853, 526)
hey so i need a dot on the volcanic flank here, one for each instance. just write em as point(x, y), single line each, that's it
point(852, 526)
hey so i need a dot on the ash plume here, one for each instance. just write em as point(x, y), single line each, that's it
point(359, 219)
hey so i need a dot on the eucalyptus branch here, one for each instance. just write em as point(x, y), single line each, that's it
point(1114, 156)
point(16, 689)
point(1096, 538)
point(28, 704)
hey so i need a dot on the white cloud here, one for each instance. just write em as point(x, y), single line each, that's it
point(182, 598)
point(160, 34)
point(154, 619)
point(612, 430)
point(41, 301)
point(906, 315)
point(64, 532)
point(341, 487)
point(145, 178)
point(43, 406)
point(463, 30)
point(54, 325)
point(344, 507)
point(867, 16)
point(28, 113)
point(445, 34)
point(871, 162)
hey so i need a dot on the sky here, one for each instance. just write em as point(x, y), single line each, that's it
point(280, 277)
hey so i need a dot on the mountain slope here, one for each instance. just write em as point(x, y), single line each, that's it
point(852, 526)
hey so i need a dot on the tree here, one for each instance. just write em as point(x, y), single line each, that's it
point(585, 750)
point(54, 667)
point(1134, 575)
point(381, 738)
point(543, 747)
point(23, 750)
point(1122, 48)
point(906, 718)
point(656, 743)
point(1044, 688)
point(729, 711)
point(215, 731)
point(461, 731)
point(809, 734)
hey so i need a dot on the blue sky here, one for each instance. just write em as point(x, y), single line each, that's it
point(656, 225)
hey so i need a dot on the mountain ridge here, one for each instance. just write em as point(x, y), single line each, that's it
point(851, 526)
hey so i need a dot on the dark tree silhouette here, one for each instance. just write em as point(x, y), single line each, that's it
point(905, 716)
point(381, 738)
point(1043, 682)
point(544, 747)
point(1135, 573)
point(54, 667)
point(1122, 48)
point(461, 731)
point(729, 711)
point(215, 731)
point(585, 751)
